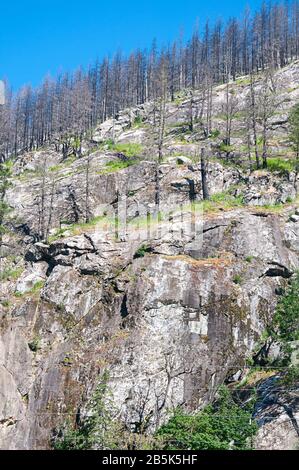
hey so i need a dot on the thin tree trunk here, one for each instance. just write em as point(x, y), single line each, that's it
point(204, 183)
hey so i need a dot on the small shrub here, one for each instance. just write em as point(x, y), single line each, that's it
point(34, 345)
point(237, 279)
point(37, 287)
point(215, 133)
point(291, 377)
point(142, 251)
point(138, 122)
point(225, 148)
point(280, 165)
point(285, 326)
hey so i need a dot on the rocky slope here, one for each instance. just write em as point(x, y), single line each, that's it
point(171, 305)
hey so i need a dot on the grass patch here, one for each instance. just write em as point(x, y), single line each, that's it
point(227, 198)
point(215, 133)
point(281, 165)
point(217, 202)
point(10, 274)
point(255, 376)
point(103, 220)
point(118, 165)
point(270, 207)
point(129, 150)
point(237, 279)
point(242, 81)
point(33, 291)
point(138, 122)
point(37, 287)
point(56, 236)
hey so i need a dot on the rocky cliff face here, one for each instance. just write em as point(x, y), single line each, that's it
point(170, 304)
point(277, 414)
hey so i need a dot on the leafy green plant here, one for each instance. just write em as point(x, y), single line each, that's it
point(138, 122)
point(215, 133)
point(285, 326)
point(37, 287)
point(280, 165)
point(142, 251)
point(224, 425)
point(225, 148)
point(237, 279)
point(291, 377)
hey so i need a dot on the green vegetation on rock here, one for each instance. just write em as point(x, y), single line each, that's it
point(285, 327)
point(98, 429)
point(128, 149)
point(225, 425)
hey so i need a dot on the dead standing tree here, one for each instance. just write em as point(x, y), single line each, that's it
point(252, 109)
point(45, 200)
point(266, 106)
point(203, 169)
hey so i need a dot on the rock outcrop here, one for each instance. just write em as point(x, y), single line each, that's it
point(129, 271)
point(277, 413)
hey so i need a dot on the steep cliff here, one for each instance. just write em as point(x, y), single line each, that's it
point(170, 301)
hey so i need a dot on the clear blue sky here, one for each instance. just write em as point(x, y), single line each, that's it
point(40, 37)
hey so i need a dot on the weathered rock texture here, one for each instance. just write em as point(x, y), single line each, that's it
point(169, 309)
point(277, 413)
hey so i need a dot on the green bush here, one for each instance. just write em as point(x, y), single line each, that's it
point(285, 327)
point(291, 377)
point(215, 133)
point(34, 345)
point(225, 148)
point(222, 426)
point(138, 122)
point(281, 165)
point(237, 279)
point(142, 251)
